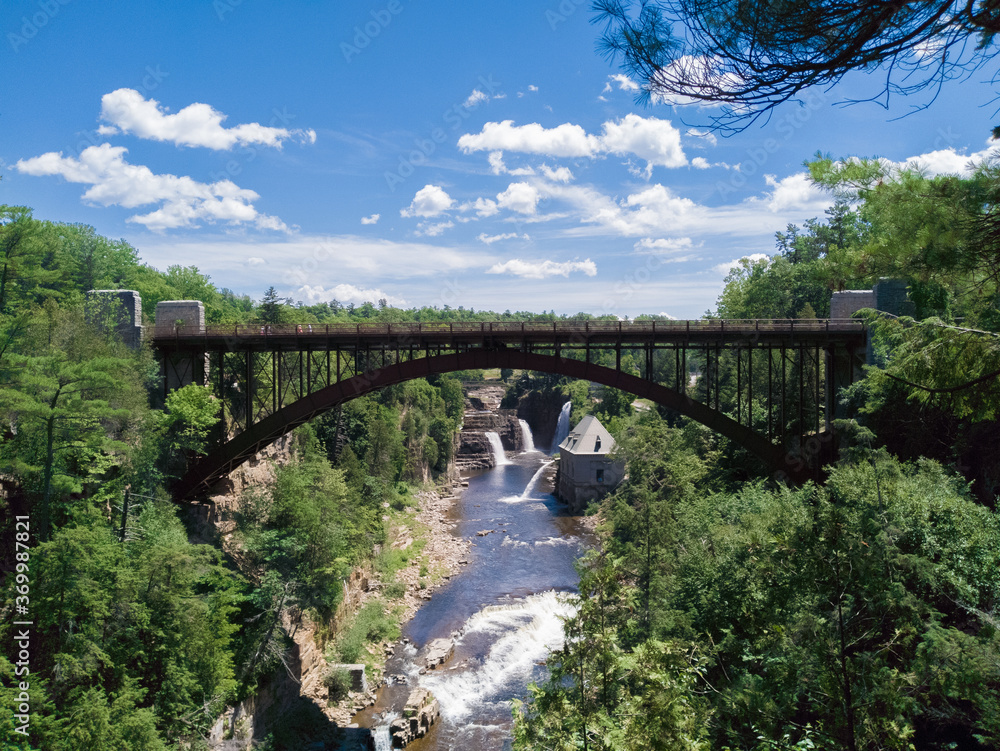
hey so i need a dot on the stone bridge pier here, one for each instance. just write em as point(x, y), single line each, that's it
point(182, 367)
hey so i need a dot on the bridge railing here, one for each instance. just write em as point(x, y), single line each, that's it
point(513, 328)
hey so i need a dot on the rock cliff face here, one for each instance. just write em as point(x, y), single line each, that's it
point(540, 409)
point(483, 415)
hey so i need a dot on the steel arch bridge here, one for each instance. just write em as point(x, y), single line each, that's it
point(779, 377)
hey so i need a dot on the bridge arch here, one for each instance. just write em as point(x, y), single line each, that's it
point(222, 460)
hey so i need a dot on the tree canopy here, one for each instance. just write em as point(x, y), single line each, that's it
point(754, 55)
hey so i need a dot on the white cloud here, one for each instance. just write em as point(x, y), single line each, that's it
point(497, 166)
point(559, 174)
point(697, 72)
point(184, 202)
point(519, 197)
point(624, 83)
point(127, 111)
point(490, 239)
point(373, 219)
point(429, 201)
point(348, 293)
point(792, 193)
point(950, 161)
point(704, 135)
point(728, 266)
point(564, 140)
point(532, 87)
point(648, 245)
point(255, 261)
point(433, 229)
point(657, 141)
point(475, 98)
point(483, 207)
point(542, 269)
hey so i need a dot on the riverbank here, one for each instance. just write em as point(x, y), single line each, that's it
point(425, 540)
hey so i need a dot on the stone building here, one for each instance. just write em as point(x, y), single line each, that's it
point(586, 471)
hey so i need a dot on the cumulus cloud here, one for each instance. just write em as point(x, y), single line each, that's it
point(657, 141)
point(373, 219)
point(699, 72)
point(348, 293)
point(183, 202)
point(532, 87)
point(542, 269)
point(128, 111)
point(558, 174)
point(429, 201)
point(476, 97)
point(728, 266)
point(793, 192)
point(490, 239)
point(623, 82)
point(519, 197)
point(483, 207)
point(255, 261)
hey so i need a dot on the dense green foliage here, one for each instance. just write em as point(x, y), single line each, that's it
point(724, 612)
point(860, 614)
point(141, 636)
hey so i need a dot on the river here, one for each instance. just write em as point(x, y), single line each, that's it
point(503, 609)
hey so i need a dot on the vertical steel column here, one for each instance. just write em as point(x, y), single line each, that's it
point(817, 390)
point(739, 387)
point(770, 425)
point(750, 387)
point(802, 376)
point(275, 382)
point(222, 386)
point(249, 386)
point(684, 370)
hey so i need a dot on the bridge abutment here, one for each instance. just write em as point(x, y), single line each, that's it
point(182, 367)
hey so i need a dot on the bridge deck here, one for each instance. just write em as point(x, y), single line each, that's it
point(761, 332)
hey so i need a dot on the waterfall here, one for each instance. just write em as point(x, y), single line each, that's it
point(498, 454)
point(562, 427)
point(529, 440)
point(380, 732)
point(534, 479)
point(521, 634)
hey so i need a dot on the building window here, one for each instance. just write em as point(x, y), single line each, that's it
point(600, 475)
point(597, 444)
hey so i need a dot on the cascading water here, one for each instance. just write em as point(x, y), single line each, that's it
point(520, 635)
point(498, 455)
point(382, 741)
point(534, 479)
point(502, 611)
point(529, 440)
point(562, 426)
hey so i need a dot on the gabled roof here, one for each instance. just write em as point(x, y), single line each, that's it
point(588, 437)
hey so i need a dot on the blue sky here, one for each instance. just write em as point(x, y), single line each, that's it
point(482, 155)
